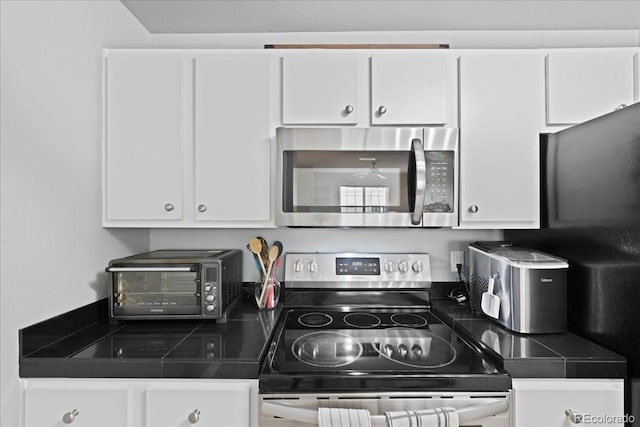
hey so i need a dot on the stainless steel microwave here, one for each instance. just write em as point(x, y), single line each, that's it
point(175, 284)
point(367, 177)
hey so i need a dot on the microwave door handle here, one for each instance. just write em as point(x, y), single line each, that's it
point(149, 269)
point(420, 180)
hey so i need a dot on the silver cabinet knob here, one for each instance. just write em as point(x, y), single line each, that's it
point(194, 417)
point(169, 207)
point(573, 417)
point(620, 107)
point(69, 417)
point(202, 208)
point(473, 208)
point(382, 109)
point(348, 109)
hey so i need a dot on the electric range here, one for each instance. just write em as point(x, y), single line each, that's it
point(358, 328)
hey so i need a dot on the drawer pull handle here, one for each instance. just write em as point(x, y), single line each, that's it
point(69, 417)
point(573, 417)
point(194, 417)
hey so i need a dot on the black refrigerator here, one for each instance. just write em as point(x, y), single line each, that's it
point(590, 193)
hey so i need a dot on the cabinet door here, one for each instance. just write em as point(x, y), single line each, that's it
point(233, 129)
point(320, 88)
point(500, 95)
point(582, 86)
point(409, 89)
point(143, 136)
point(78, 407)
point(546, 402)
point(219, 405)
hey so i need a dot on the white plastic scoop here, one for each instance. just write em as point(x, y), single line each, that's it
point(491, 303)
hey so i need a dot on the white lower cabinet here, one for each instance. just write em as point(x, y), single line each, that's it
point(60, 402)
point(566, 402)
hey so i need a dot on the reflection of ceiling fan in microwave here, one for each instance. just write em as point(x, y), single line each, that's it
point(372, 171)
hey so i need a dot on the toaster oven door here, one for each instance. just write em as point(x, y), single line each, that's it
point(154, 291)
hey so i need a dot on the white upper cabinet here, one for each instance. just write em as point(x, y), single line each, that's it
point(584, 85)
point(233, 129)
point(411, 89)
point(320, 88)
point(143, 137)
point(500, 96)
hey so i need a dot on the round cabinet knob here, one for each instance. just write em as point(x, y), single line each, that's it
point(169, 207)
point(403, 266)
point(620, 107)
point(194, 417)
point(297, 266)
point(473, 208)
point(211, 307)
point(389, 267)
point(348, 109)
point(69, 417)
point(312, 266)
point(382, 109)
point(417, 266)
point(210, 298)
point(202, 208)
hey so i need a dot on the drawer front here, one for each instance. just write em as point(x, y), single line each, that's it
point(220, 406)
point(75, 407)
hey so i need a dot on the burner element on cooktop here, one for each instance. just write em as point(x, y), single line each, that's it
point(326, 349)
point(362, 320)
point(410, 320)
point(315, 320)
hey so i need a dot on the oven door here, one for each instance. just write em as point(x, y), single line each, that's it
point(145, 292)
point(473, 409)
point(373, 177)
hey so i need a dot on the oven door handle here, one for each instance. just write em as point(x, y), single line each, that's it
point(465, 415)
point(417, 181)
point(151, 269)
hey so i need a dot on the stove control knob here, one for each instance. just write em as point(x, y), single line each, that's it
point(403, 266)
point(389, 266)
point(417, 266)
point(297, 266)
point(312, 266)
point(402, 349)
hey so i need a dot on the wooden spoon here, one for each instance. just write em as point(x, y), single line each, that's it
point(274, 253)
point(255, 246)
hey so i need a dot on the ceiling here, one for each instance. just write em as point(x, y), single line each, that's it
point(282, 16)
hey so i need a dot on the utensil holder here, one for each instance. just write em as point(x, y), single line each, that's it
point(272, 293)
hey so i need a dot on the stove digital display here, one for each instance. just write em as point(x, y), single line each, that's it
point(358, 266)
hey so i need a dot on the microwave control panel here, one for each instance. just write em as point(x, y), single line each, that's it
point(439, 193)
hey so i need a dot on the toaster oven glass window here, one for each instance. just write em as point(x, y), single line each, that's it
point(346, 181)
point(157, 289)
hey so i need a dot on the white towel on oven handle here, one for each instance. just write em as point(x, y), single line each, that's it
point(437, 417)
point(343, 417)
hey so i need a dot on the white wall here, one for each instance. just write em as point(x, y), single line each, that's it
point(53, 250)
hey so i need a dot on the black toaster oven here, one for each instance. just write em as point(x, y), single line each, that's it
point(175, 284)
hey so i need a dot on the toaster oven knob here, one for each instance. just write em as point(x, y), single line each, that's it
point(207, 288)
point(389, 266)
point(211, 307)
point(417, 266)
point(210, 298)
point(403, 266)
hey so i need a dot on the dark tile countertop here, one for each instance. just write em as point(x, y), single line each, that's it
point(563, 355)
point(82, 344)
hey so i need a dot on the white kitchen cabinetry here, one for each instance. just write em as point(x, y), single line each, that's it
point(233, 129)
point(188, 139)
point(128, 402)
point(587, 84)
point(321, 88)
point(500, 96)
point(554, 402)
point(144, 137)
point(412, 88)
